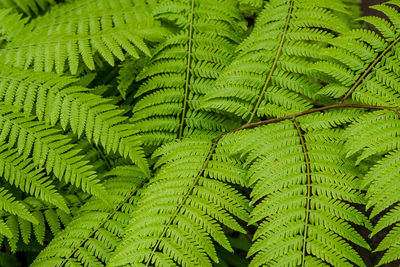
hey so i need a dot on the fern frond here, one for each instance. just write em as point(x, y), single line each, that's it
point(184, 68)
point(270, 75)
point(21, 173)
point(43, 214)
point(49, 149)
point(250, 8)
point(363, 64)
point(53, 100)
point(75, 31)
point(11, 205)
point(11, 25)
point(330, 118)
point(377, 134)
point(199, 133)
point(90, 238)
point(127, 74)
point(182, 210)
point(301, 190)
point(29, 7)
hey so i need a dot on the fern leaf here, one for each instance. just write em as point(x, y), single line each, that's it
point(42, 213)
point(29, 7)
point(9, 204)
point(330, 118)
point(362, 64)
point(128, 73)
point(250, 7)
point(301, 187)
point(11, 24)
point(49, 149)
point(182, 210)
point(90, 238)
point(184, 68)
point(4, 230)
point(21, 173)
point(376, 134)
point(53, 100)
point(74, 31)
point(270, 75)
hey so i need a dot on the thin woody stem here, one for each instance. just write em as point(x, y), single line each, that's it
point(306, 112)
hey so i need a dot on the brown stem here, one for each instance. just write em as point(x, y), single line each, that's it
point(306, 112)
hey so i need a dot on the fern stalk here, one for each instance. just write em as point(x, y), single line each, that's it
point(306, 112)
point(274, 63)
point(188, 71)
point(308, 196)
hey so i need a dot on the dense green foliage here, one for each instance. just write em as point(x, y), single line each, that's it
point(199, 133)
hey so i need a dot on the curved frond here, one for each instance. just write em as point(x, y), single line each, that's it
point(11, 25)
point(11, 205)
point(364, 65)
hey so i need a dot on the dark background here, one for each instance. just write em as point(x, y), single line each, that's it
point(366, 3)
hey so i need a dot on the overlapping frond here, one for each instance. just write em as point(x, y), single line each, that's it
point(49, 148)
point(42, 218)
point(12, 206)
point(127, 74)
point(377, 134)
point(271, 75)
point(355, 9)
point(11, 24)
point(183, 209)
point(76, 30)
point(91, 237)
point(28, 7)
point(189, 73)
point(54, 100)
point(184, 68)
point(22, 173)
point(364, 64)
point(301, 190)
point(249, 8)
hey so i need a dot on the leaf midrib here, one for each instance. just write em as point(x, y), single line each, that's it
point(308, 184)
point(188, 72)
point(369, 69)
point(274, 63)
